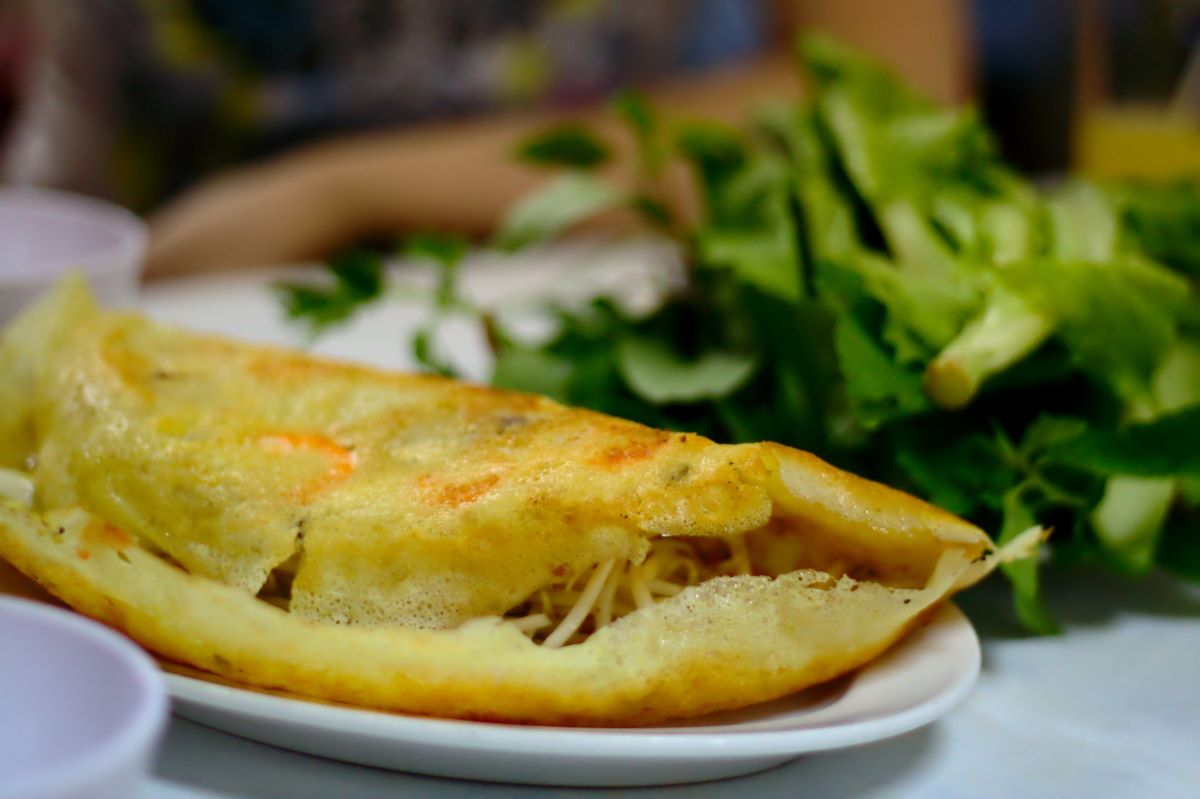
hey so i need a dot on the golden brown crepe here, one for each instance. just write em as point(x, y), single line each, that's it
point(417, 544)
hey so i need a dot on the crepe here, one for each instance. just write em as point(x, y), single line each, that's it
point(412, 543)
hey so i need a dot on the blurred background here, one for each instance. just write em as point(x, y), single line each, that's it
point(275, 130)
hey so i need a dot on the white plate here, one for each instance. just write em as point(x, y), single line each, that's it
point(915, 683)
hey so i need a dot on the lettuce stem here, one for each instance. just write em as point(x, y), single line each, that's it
point(1130, 516)
point(1005, 331)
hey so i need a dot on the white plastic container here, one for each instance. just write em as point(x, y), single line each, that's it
point(81, 707)
point(47, 234)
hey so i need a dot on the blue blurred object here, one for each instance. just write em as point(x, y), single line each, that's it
point(723, 30)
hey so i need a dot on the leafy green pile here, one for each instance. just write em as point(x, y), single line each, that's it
point(870, 282)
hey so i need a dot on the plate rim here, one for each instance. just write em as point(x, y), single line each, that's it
point(600, 743)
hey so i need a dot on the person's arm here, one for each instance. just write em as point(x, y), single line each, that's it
point(461, 176)
point(458, 176)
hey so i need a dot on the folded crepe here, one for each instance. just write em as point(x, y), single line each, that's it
point(412, 543)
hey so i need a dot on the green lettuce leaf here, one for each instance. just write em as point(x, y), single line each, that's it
point(1161, 220)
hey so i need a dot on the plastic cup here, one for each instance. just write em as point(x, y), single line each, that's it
point(81, 707)
point(45, 235)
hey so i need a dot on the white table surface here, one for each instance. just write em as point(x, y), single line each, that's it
point(1111, 709)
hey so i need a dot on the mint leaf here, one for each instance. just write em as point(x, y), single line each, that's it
point(656, 373)
point(569, 145)
point(555, 208)
point(536, 371)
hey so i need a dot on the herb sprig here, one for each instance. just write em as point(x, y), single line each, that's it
point(869, 281)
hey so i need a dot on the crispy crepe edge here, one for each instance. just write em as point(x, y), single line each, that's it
point(487, 670)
